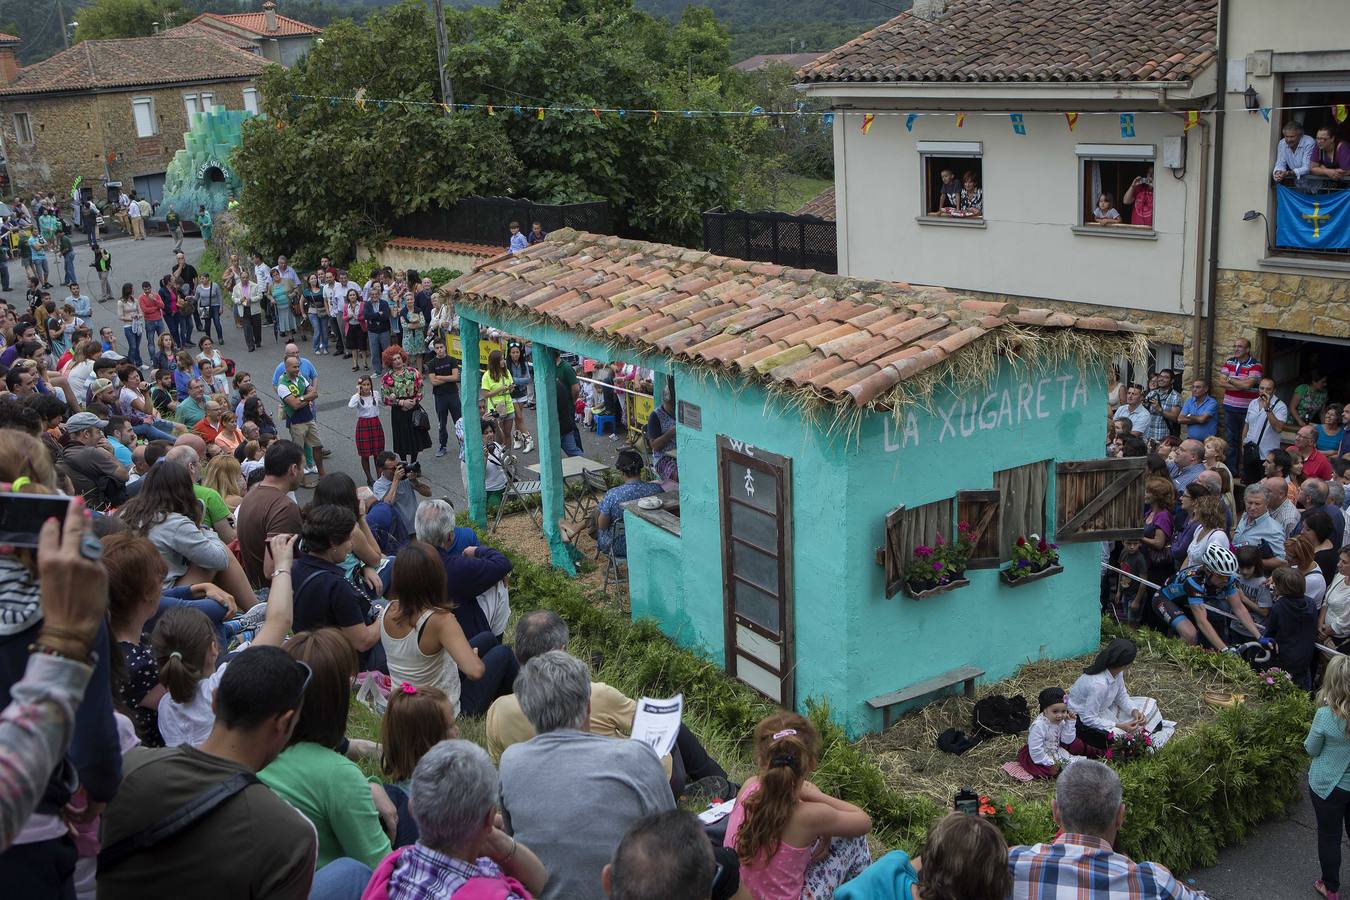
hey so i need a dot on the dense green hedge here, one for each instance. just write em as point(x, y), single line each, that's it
point(1205, 790)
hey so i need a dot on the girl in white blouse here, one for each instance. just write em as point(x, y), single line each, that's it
point(1102, 704)
point(1052, 742)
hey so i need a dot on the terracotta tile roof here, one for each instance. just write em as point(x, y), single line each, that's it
point(256, 22)
point(130, 62)
point(8, 38)
point(201, 29)
point(848, 341)
point(482, 251)
point(821, 205)
point(1032, 40)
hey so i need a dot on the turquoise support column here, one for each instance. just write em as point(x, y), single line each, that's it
point(550, 455)
point(469, 384)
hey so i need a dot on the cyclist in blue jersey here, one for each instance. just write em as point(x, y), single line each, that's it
point(1181, 602)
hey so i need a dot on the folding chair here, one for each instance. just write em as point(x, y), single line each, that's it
point(593, 487)
point(519, 490)
point(616, 566)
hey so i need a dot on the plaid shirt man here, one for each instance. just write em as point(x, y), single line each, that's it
point(1158, 426)
point(1083, 867)
point(424, 874)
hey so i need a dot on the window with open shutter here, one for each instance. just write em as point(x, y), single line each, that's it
point(1099, 500)
point(909, 528)
point(982, 513)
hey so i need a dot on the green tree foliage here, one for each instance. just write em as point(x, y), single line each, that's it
point(321, 177)
point(127, 18)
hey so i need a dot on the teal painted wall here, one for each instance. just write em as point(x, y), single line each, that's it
point(851, 641)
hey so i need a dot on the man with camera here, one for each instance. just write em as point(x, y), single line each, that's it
point(1164, 407)
point(1261, 429)
point(389, 487)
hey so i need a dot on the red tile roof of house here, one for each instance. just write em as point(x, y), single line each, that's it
point(1032, 40)
point(821, 205)
point(844, 340)
point(131, 62)
point(202, 29)
point(256, 22)
point(482, 251)
point(8, 38)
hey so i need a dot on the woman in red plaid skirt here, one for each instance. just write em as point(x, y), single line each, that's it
point(369, 431)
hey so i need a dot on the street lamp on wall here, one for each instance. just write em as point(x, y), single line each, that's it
point(1250, 97)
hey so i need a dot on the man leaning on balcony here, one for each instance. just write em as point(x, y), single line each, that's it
point(1293, 157)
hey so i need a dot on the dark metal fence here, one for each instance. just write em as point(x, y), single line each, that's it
point(487, 220)
point(803, 242)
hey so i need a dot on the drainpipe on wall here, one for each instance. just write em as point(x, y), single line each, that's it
point(1214, 214)
point(1197, 320)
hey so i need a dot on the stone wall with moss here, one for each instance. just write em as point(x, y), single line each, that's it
point(1250, 302)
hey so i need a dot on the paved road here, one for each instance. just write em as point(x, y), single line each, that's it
point(152, 258)
point(1279, 861)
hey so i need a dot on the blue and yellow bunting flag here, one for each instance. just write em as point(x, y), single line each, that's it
point(867, 122)
point(539, 113)
point(1192, 119)
point(1072, 119)
point(1019, 124)
point(1127, 125)
point(910, 120)
point(960, 120)
point(360, 98)
point(1265, 113)
point(491, 110)
point(1338, 112)
point(827, 120)
point(655, 115)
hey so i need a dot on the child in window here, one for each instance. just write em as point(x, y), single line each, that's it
point(1052, 741)
point(949, 192)
point(1105, 213)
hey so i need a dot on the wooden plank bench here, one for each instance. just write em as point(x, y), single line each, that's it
point(965, 675)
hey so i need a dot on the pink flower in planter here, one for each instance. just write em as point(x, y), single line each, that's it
point(1042, 545)
point(923, 550)
point(1270, 681)
point(937, 567)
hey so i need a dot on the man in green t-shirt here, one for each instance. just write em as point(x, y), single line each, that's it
point(217, 515)
point(568, 389)
point(192, 408)
point(175, 224)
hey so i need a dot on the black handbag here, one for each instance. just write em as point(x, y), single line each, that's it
point(419, 419)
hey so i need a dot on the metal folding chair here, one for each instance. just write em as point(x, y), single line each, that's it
point(616, 566)
point(519, 490)
point(593, 487)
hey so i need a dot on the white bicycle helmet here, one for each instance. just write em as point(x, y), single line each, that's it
point(1220, 560)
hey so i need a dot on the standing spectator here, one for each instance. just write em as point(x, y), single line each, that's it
point(1139, 197)
point(518, 241)
point(1293, 155)
point(376, 319)
point(1314, 495)
point(1315, 462)
point(1291, 627)
point(522, 393)
point(67, 251)
point(369, 437)
point(175, 226)
point(1278, 504)
point(1309, 399)
point(333, 294)
point(354, 328)
point(152, 311)
point(401, 391)
point(1257, 528)
point(136, 219)
point(249, 305)
point(443, 373)
point(256, 706)
point(316, 308)
point(37, 248)
point(1187, 463)
point(204, 223)
point(103, 266)
point(1334, 617)
point(1133, 409)
point(267, 509)
point(1328, 743)
point(612, 783)
point(1089, 811)
point(1199, 416)
point(413, 326)
point(298, 397)
point(284, 294)
point(1238, 378)
point(660, 431)
point(1266, 414)
point(208, 305)
point(792, 838)
point(496, 387)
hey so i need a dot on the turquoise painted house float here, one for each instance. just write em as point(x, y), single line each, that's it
point(836, 440)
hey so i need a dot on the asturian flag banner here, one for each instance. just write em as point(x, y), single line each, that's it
point(1313, 221)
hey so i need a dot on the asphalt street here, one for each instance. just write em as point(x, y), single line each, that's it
point(1278, 861)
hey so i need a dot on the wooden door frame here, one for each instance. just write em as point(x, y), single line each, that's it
point(737, 453)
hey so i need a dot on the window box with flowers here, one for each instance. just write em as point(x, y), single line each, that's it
point(1033, 558)
point(939, 568)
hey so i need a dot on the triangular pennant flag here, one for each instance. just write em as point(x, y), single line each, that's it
point(623, 114)
point(595, 112)
point(1265, 113)
point(1019, 124)
point(1072, 119)
point(491, 111)
point(867, 122)
point(360, 98)
point(1127, 125)
point(1192, 119)
point(517, 111)
point(827, 120)
point(960, 120)
point(688, 113)
point(448, 110)
point(1338, 112)
point(332, 101)
point(539, 113)
point(380, 105)
point(655, 115)
point(910, 120)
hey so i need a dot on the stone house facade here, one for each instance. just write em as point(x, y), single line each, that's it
point(115, 110)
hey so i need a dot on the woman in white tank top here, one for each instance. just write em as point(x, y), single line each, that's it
point(423, 642)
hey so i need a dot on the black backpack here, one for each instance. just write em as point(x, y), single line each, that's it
point(997, 714)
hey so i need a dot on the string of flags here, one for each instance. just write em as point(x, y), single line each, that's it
point(1017, 120)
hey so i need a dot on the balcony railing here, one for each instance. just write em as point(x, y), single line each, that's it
point(1313, 219)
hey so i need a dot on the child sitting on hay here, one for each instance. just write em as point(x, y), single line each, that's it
point(1052, 741)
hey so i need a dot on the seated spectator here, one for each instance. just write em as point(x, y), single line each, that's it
point(268, 509)
point(1089, 811)
point(399, 487)
point(186, 651)
point(313, 776)
point(1318, 530)
point(324, 598)
point(216, 513)
point(339, 489)
point(272, 848)
point(1314, 495)
point(223, 475)
point(668, 855)
point(600, 524)
point(611, 712)
point(166, 510)
point(213, 421)
point(783, 824)
point(1315, 462)
point(1104, 213)
point(191, 408)
point(454, 799)
point(611, 783)
point(1279, 504)
point(92, 464)
point(1293, 156)
point(1257, 528)
point(471, 572)
point(425, 645)
point(965, 857)
point(416, 719)
point(136, 575)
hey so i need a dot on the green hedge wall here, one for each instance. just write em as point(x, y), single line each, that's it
point(1205, 790)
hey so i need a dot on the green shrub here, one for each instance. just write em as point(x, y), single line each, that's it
point(209, 263)
point(361, 269)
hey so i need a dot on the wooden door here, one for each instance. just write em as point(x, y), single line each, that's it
point(755, 495)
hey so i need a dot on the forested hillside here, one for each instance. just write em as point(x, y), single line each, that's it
point(786, 26)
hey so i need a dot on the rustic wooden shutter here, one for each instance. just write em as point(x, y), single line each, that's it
point(905, 529)
point(1099, 500)
point(981, 510)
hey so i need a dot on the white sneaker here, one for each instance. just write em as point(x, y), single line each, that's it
point(311, 470)
point(529, 445)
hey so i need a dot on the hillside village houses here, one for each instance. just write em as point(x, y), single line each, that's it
point(1209, 239)
point(116, 110)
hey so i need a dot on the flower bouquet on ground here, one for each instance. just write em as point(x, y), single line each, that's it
point(1129, 745)
point(1274, 682)
point(1030, 555)
point(996, 814)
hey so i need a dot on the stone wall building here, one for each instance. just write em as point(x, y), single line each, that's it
point(114, 110)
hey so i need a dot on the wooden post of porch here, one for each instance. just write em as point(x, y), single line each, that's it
point(550, 454)
point(469, 383)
